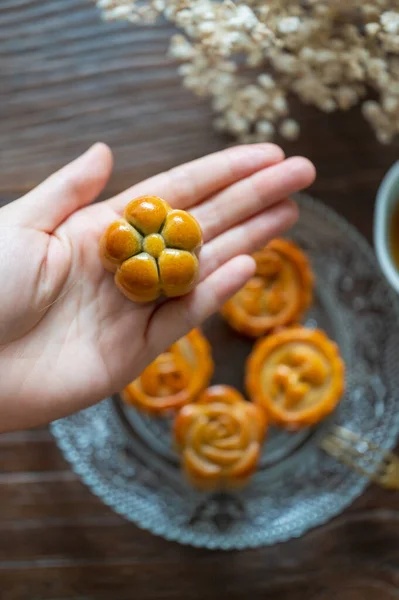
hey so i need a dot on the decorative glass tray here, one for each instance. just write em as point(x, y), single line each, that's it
point(127, 459)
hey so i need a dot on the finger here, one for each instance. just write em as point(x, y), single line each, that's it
point(252, 195)
point(249, 236)
point(188, 184)
point(177, 317)
point(72, 187)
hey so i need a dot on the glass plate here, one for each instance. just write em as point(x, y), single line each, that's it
point(127, 459)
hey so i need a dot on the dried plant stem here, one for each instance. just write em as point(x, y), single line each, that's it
point(249, 56)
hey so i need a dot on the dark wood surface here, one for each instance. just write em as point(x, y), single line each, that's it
point(67, 80)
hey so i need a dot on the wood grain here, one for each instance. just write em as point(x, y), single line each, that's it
point(68, 80)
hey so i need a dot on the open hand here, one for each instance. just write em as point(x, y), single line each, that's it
point(68, 338)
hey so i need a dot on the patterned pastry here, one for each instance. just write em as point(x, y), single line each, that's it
point(277, 296)
point(152, 250)
point(220, 438)
point(173, 379)
point(297, 376)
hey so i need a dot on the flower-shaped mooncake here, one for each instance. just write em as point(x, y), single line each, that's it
point(174, 378)
point(220, 438)
point(152, 250)
point(277, 295)
point(296, 375)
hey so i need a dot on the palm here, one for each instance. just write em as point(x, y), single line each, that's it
point(69, 337)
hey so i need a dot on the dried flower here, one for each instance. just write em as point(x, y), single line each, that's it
point(249, 56)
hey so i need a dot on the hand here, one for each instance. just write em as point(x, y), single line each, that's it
point(68, 338)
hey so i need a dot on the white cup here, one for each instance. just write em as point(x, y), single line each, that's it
point(387, 201)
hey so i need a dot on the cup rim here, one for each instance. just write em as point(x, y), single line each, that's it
point(381, 235)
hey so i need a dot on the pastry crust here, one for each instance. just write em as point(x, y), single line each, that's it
point(174, 378)
point(219, 438)
point(153, 250)
point(297, 376)
point(277, 296)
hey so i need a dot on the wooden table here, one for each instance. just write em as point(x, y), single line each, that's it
point(68, 80)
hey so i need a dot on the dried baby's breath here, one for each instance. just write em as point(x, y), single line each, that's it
point(249, 56)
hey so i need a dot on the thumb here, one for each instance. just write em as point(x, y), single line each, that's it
point(72, 187)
